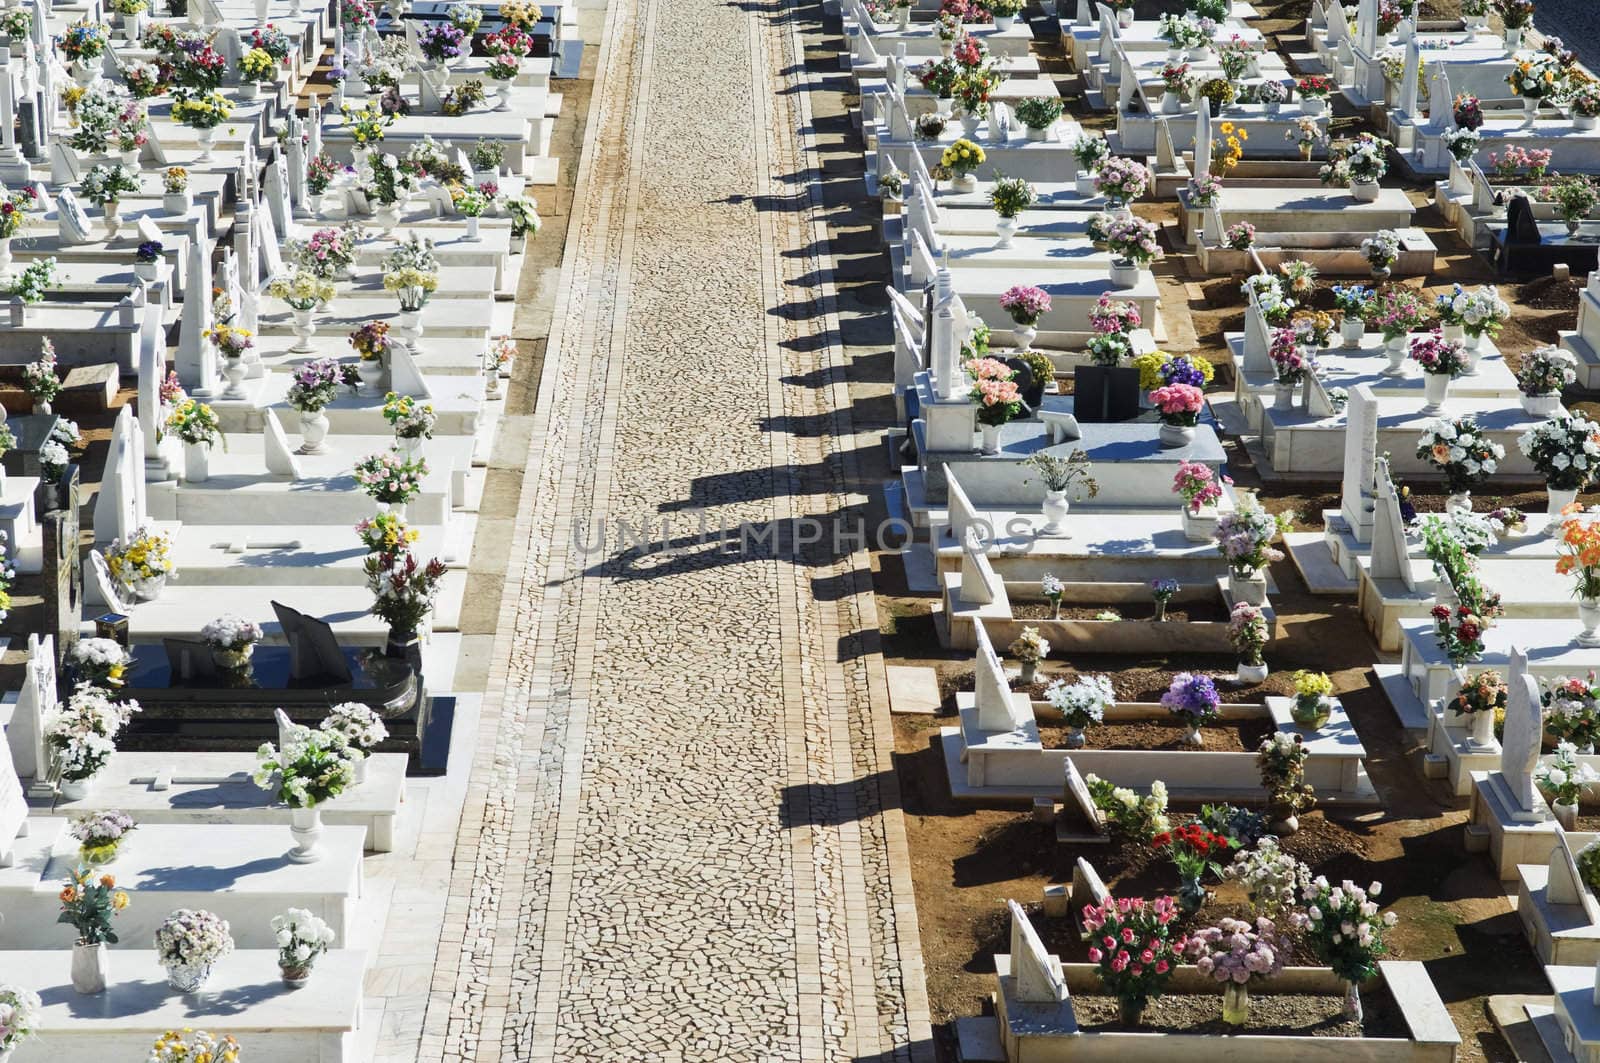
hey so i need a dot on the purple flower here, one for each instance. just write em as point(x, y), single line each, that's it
point(1192, 696)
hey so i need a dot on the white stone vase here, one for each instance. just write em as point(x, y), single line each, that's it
point(1055, 509)
point(1351, 329)
point(233, 370)
point(1459, 500)
point(1124, 272)
point(1251, 588)
point(1193, 737)
point(208, 139)
point(1282, 395)
point(1313, 104)
point(1585, 121)
point(76, 789)
point(196, 462)
point(1174, 436)
point(1589, 617)
point(1004, 22)
point(91, 968)
point(305, 825)
point(188, 977)
point(1199, 525)
point(1435, 389)
point(1566, 815)
point(1540, 405)
point(1364, 191)
point(1530, 108)
point(371, 372)
point(1395, 350)
point(902, 19)
point(1456, 333)
point(970, 124)
point(991, 438)
point(361, 769)
point(1557, 499)
point(1083, 184)
point(474, 224)
point(178, 203)
point(1480, 732)
point(1251, 673)
point(1170, 103)
point(387, 215)
point(1023, 336)
point(1005, 229)
point(1038, 134)
point(305, 326)
point(313, 430)
point(147, 271)
point(112, 213)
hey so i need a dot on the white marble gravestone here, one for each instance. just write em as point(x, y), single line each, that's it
point(71, 222)
point(1519, 746)
point(13, 813)
point(963, 515)
point(1038, 974)
point(980, 585)
point(25, 733)
point(119, 509)
point(280, 456)
point(1390, 553)
point(998, 708)
point(100, 588)
point(196, 359)
point(1257, 337)
point(1360, 452)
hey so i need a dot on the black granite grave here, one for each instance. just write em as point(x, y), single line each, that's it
point(1105, 394)
point(1527, 246)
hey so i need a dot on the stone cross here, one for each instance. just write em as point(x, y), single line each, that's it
point(1519, 748)
point(1038, 974)
point(946, 353)
point(996, 705)
point(900, 69)
point(196, 358)
point(25, 733)
point(1390, 554)
point(1408, 79)
point(1360, 451)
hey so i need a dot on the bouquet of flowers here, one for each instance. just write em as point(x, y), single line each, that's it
point(1083, 701)
point(1121, 181)
point(1134, 817)
point(1483, 312)
point(371, 341)
point(1247, 632)
point(1315, 87)
point(1205, 190)
point(994, 389)
point(1458, 448)
point(962, 157)
point(1026, 304)
point(1177, 79)
point(145, 555)
point(1193, 698)
point(14, 207)
point(367, 124)
point(385, 531)
point(389, 478)
point(1437, 355)
point(1462, 143)
point(1197, 485)
point(1236, 55)
point(1030, 647)
point(1381, 249)
point(1579, 554)
point(301, 937)
point(99, 833)
point(83, 41)
point(194, 422)
point(192, 938)
point(36, 278)
point(1468, 112)
point(1133, 239)
point(361, 726)
point(1459, 631)
point(524, 214)
point(205, 110)
point(81, 732)
point(1238, 952)
point(1362, 160)
point(1062, 473)
point(1290, 364)
point(39, 378)
point(1565, 449)
point(1574, 196)
point(1396, 311)
point(1572, 709)
point(441, 42)
point(16, 22)
point(1281, 763)
point(1484, 692)
point(257, 65)
point(1240, 236)
point(89, 906)
point(1535, 75)
point(1133, 945)
point(1269, 295)
point(409, 418)
point(101, 662)
point(1245, 538)
point(1090, 151)
point(1342, 924)
point(1562, 777)
point(1107, 349)
point(312, 767)
point(1584, 99)
point(272, 40)
point(230, 632)
point(1178, 404)
point(1535, 160)
point(403, 591)
point(1272, 878)
point(315, 385)
point(1053, 590)
point(21, 1013)
point(106, 182)
point(302, 289)
point(1182, 32)
point(1110, 316)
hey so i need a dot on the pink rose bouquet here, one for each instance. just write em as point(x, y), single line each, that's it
point(1179, 404)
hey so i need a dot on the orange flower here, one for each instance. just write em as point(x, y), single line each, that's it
point(107, 881)
point(68, 894)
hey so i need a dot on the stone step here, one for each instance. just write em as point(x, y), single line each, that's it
point(213, 788)
point(273, 1022)
point(237, 871)
point(212, 555)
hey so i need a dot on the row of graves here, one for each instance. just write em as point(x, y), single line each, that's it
point(233, 684)
point(1092, 523)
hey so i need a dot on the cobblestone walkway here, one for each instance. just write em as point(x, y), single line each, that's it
point(675, 843)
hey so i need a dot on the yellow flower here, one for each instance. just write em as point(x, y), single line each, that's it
point(1244, 134)
point(1226, 127)
point(119, 900)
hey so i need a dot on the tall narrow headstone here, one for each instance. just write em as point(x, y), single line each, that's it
point(152, 370)
point(1202, 141)
point(25, 733)
point(1038, 975)
point(196, 358)
point(1524, 727)
point(1408, 79)
point(996, 705)
point(1356, 503)
point(1390, 555)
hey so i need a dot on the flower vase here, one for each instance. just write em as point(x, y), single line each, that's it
point(90, 967)
point(1193, 737)
point(1394, 348)
point(1312, 104)
point(387, 215)
point(473, 226)
point(491, 383)
point(249, 90)
point(98, 855)
point(1176, 436)
point(305, 824)
point(1075, 738)
point(147, 271)
point(313, 431)
point(233, 660)
point(1191, 895)
point(370, 370)
point(1022, 337)
point(409, 324)
point(395, 509)
point(991, 438)
point(1038, 134)
point(1199, 524)
point(1125, 18)
point(1435, 388)
point(360, 770)
point(1312, 713)
point(1170, 104)
point(1131, 1012)
point(1251, 673)
point(147, 588)
point(1030, 671)
point(1480, 731)
point(1541, 405)
point(1364, 191)
point(1351, 329)
point(208, 138)
point(1282, 395)
point(1005, 228)
point(1124, 272)
point(76, 789)
point(1055, 511)
point(947, 49)
point(970, 124)
point(902, 18)
point(233, 368)
point(1566, 815)
point(305, 326)
point(295, 977)
point(5, 257)
point(1004, 22)
point(196, 462)
point(1352, 1001)
point(129, 158)
point(84, 71)
point(408, 446)
point(1530, 109)
point(1236, 1003)
point(188, 977)
point(1556, 500)
point(1458, 500)
point(1083, 184)
point(112, 213)
point(1305, 151)
point(1589, 616)
point(1247, 587)
point(178, 203)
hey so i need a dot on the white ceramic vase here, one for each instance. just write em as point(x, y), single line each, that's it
point(196, 462)
point(1351, 329)
point(1251, 589)
point(1589, 617)
point(1436, 389)
point(91, 968)
point(305, 326)
point(991, 438)
point(305, 825)
point(313, 431)
point(1055, 511)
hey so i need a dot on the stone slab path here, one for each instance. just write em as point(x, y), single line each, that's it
point(681, 837)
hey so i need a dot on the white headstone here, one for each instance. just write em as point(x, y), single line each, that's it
point(1408, 79)
point(1390, 554)
point(277, 191)
point(979, 584)
point(1257, 337)
point(1075, 795)
point(997, 706)
point(1166, 152)
point(25, 733)
point(1524, 726)
point(1037, 973)
point(1202, 140)
point(64, 169)
point(116, 512)
point(1360, 451)
point(404, 376)
point(286, 727)
point(1060, 427)
point(963, 515)
point(13, 812)
point(1367, 26)
point(71, 221)
point(152, 369)
point(100, 588)
point(280, 456)
point(1441, 109)
point(196, 358)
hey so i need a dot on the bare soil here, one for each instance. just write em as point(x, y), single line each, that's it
point(1301, 1014)
point(1226, 737)
point(1208, 612)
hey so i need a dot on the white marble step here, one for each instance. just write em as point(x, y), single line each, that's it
point(216, 788)
point(274, 1023)
point(457, 400)
point(239, 872)
point(211, 555)
point(468, 318)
